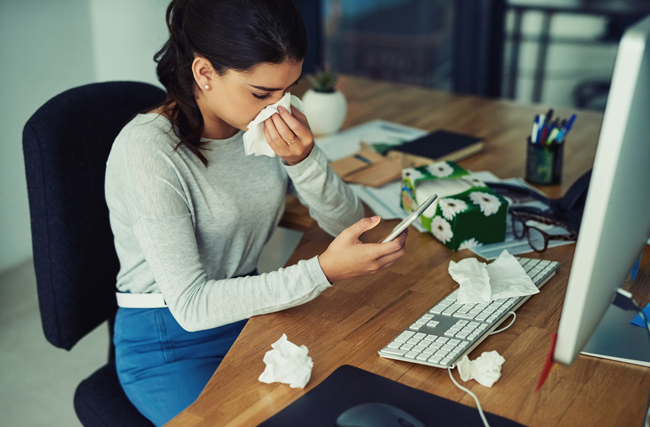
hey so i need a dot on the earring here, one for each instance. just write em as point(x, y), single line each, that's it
point(207, 87)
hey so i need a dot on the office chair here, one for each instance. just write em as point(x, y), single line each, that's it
point(66, 144)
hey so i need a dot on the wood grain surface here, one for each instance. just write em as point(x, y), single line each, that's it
point(351, 321)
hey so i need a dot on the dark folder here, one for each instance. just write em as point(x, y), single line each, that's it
point(440, 145)
point(349, 386)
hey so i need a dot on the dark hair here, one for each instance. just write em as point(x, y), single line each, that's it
point(232, 35)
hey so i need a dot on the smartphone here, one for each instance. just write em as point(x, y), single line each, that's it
point(409, 219)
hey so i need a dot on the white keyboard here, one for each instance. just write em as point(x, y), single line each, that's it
point(448, 331)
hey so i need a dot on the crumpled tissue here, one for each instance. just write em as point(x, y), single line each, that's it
point(481, 283)
point(287, 363)
point(486, 369)
point(254, 139)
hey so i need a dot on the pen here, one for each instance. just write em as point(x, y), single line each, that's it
point(552, 136)
point(533, 135)
point(569, 123)
point(540, 127)
point(567, 127)
point(363, 159)
point(548, 117)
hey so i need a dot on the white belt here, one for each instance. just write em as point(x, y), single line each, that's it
point(128, 300)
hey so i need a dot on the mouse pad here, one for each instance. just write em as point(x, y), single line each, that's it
point(349, 386)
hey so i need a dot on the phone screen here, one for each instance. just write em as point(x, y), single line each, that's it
point(409, 219)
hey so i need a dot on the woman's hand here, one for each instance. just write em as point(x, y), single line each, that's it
point(289, 135)
point(346, 257)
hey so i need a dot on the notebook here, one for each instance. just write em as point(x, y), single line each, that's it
point(441, 145)
point(349, 386)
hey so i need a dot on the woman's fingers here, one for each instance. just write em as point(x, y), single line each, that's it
point(300, 129)
point(274, 139)
point(283, 130)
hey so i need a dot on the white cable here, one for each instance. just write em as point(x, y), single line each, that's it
point(478, 404)
point(514, 317)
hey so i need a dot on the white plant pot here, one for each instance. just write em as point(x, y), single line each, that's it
point(325, 111)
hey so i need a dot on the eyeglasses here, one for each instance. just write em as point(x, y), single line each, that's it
point(537, 238)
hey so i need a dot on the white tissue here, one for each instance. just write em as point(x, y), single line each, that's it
point(473, 278)
point(287, 363)
point(481, 283)
point(254, 139)
point(486, 369)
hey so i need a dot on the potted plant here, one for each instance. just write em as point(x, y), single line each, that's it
point(325, 107)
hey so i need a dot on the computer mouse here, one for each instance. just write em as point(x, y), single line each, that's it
point(375, 414)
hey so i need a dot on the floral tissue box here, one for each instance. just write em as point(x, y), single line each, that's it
point(467, 213)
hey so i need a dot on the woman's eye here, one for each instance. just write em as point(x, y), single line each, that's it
point(264, 96)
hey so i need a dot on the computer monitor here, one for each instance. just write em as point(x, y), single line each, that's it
point(616, 220)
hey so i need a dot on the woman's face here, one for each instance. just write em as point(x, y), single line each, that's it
point(235, 99)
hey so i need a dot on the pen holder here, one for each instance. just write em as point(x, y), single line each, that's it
point(544, 163)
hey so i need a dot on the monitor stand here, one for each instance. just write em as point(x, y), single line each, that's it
point(616, 338)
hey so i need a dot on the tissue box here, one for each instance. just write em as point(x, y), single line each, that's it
point(467, 213)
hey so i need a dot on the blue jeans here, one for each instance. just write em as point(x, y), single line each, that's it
point(162, 367)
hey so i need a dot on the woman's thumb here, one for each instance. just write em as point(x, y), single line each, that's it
point(361, 226)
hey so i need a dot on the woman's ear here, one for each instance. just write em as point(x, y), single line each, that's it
point(203, 73)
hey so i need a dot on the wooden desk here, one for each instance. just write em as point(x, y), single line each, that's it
point(351, 321)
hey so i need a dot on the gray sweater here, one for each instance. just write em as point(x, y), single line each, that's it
point(184, 230)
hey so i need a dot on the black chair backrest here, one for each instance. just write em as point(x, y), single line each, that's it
point(66, 144)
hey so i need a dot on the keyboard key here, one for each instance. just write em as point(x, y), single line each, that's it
point(482, 316)
point(454, 342)
point(419, 335)
point(445, 361)
point(411, 354)
point(447, 347)
point(434, 359)
point(413, 341)
point(419, 348)
point(435, 345)
point(464, 315)
point(394, 345)
point(394, 351)
point(404, 336)
point(406, 347)
point(442, 339)
point(422, 357)
point(450, 333)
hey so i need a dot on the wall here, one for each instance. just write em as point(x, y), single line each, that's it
point(126, 35)
point(47, 47)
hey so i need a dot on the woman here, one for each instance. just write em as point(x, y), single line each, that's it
point(191, 212)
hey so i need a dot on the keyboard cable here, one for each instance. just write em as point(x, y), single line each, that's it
point(514, 317)
point(478, 404)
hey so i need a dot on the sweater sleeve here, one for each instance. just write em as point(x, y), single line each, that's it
point(197, 302)
point(331, 202)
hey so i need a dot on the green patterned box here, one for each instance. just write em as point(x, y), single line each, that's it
point(467, 212)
